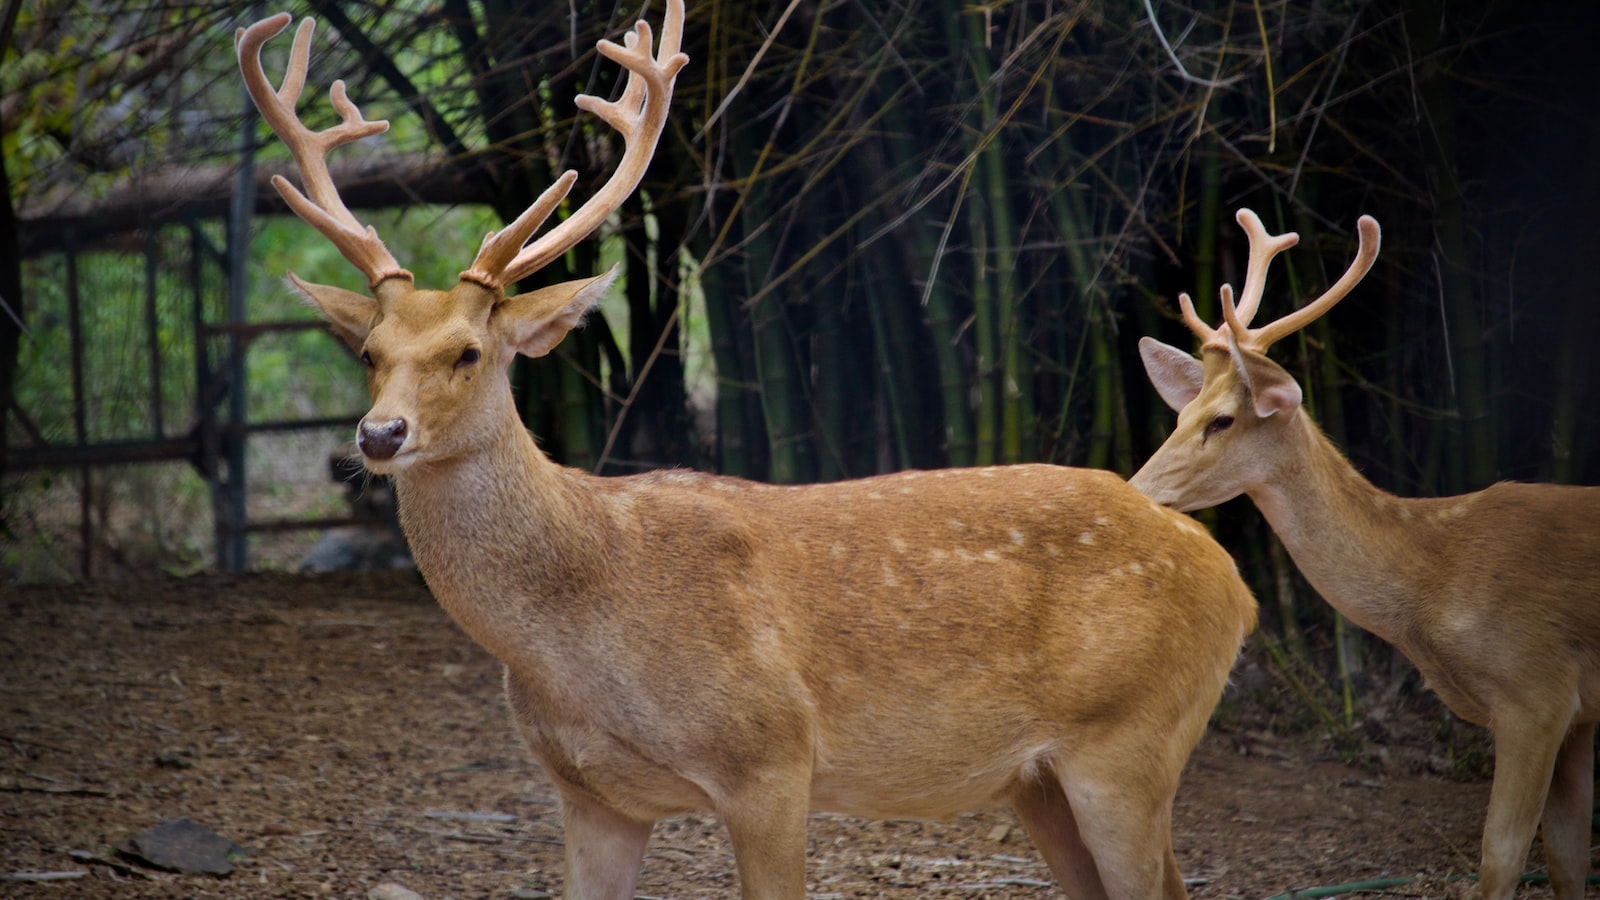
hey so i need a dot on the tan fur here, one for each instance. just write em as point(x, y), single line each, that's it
point(914, 644)
point(1495, 596)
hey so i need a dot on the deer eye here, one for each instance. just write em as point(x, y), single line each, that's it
point(1217, 425)
point(468, 357)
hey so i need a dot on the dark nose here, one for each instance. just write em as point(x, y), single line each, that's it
point(381, 440)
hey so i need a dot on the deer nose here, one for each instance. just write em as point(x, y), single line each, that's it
point(381, 440)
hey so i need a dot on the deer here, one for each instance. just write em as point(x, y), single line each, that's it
point(1494, 596)
point(914, 644)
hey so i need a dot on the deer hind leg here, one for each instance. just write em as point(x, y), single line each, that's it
point(1567, 814)
point(604, 852)
point(1042, 806)
point(1122, 803)
point(1526, 745)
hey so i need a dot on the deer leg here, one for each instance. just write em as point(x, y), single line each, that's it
point(1044, 811)
point(1125, 822)
point(766, 821)
point(1567, 813)
point(1525, 748)
point(605, 850)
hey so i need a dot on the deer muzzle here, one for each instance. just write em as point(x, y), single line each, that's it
point(380, 440)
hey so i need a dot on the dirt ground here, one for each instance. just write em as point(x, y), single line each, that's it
point(346, 732)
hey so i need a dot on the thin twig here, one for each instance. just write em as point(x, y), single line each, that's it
point(1272, 94)
point(1183, 73)
point(750, 69)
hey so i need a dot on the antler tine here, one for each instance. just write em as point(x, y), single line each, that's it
point(1263, 247)
point(639, 115)
point(1260, 339)
point(499, 248)
point(1201, 330)
point(324, 211)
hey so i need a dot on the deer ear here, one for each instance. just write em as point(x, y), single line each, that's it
point(352, 315)
point(535, 322)
point(1176, 375)
point(1272, 390)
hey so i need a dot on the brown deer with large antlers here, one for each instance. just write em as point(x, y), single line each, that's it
point(909, 645)
point(1495, 596)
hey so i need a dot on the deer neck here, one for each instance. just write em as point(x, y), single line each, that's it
point(1365, 551)
point(502, 534)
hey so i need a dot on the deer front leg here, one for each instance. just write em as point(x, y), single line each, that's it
point(604, 852)
point(1526, 744)
point(1567, 814)
point(766, 820)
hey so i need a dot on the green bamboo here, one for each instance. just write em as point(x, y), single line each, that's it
point(838, 386)
point(1473, 462)
point(1002, 417)
point(736, 404)
point(782, 403)
point(891, 349)
point(942, 309)
point(777, 371)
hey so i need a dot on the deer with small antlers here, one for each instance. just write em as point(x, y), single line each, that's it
point(913, 644)
point(1495, 596)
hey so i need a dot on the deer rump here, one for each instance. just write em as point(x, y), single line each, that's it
point(923, 643)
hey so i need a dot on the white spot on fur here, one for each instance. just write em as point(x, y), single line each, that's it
point(1016, 537)
point(1103, 521)
point(957, 525)
point(1087, 538)
point(837, 551)
point(991, 555)
point(898, 544)
point(1052, 549)
point(938, 554)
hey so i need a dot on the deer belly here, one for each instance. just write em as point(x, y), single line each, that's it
point(921, 782)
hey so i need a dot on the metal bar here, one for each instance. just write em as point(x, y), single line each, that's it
point(256, 329)
point(240, 208)
point(302, 424)
point(152, 327)
point(79, 423)
point(68, 456)
point(274, 525)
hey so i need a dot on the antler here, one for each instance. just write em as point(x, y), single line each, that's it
point(324, 211)
point(639, 115)
point(1263, 247)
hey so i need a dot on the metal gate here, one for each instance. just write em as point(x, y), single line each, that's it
point(215, 432)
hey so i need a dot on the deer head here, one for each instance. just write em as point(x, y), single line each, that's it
point(432, 356)
point(1234, 404)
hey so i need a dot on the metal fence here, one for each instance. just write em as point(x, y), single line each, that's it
point(177, 368)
